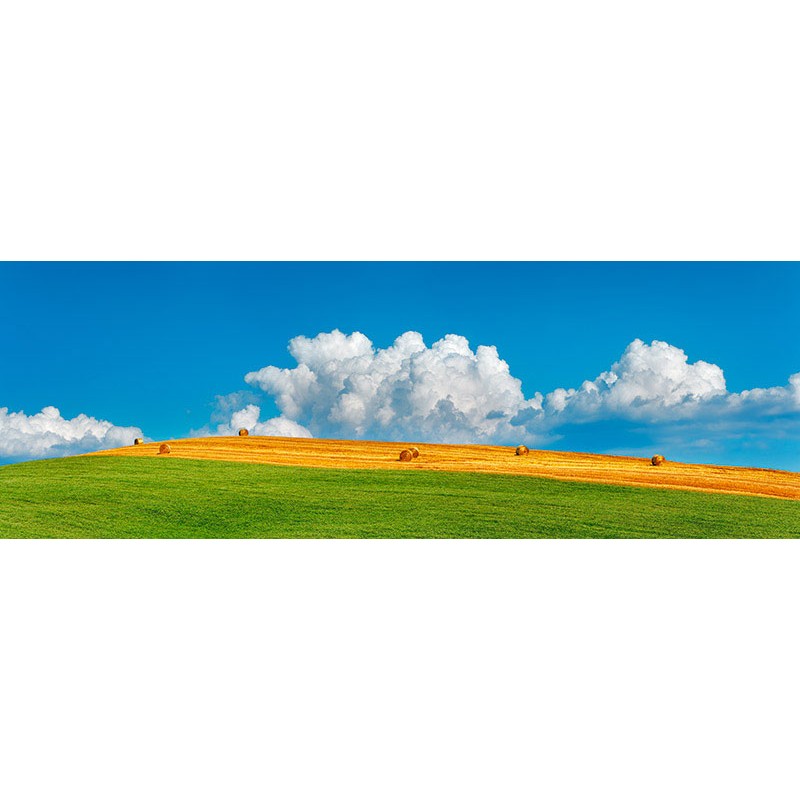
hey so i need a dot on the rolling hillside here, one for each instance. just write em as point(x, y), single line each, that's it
point(584, 467)
point(253, 487)
point(110, 497)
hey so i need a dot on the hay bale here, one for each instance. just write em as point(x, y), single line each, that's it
point(165, 448)
point(657, 460)
point(244, 432)
point(138, 441)
point(414, 452)
point(405, 455)
point(522, 450)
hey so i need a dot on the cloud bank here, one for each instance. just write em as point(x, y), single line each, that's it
point(47, 434)
point(343, 386)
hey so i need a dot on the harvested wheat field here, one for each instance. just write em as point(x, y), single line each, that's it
point(584, 467)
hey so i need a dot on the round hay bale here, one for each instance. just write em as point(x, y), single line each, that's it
point(244, 432)
point(522, 450)
point(138, 441)
point(165, 448)
point(657, 460)
point(414, 452)
point(405, 455)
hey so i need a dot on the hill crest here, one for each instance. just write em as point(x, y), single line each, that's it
point(493, 459)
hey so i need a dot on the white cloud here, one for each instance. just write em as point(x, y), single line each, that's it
point(248, 417)
point(649, 381)
point(277, 426)
point(775, 400)
point(48, 434)
point(344, 386)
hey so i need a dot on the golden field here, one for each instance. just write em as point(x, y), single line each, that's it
point(616, 470)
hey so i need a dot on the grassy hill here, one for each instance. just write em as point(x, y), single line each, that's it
point(583, 467)
point(108, 496)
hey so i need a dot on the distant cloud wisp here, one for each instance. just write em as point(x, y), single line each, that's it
point(248, 417)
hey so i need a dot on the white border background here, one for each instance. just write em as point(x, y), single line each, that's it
point(421, 130)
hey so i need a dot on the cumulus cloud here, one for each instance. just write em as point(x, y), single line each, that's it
point(649, 381)
point(48, 434)
point(344, 386)
point(241, 410)
point(248, 417)
point(775, 400)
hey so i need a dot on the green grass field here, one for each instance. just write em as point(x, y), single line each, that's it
point(146, 497)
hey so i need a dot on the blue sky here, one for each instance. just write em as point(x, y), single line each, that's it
point(152, 345)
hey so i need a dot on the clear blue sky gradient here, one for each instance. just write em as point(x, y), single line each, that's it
point(153, 344)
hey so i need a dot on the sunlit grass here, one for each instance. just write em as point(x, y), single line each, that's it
point(145, 497)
